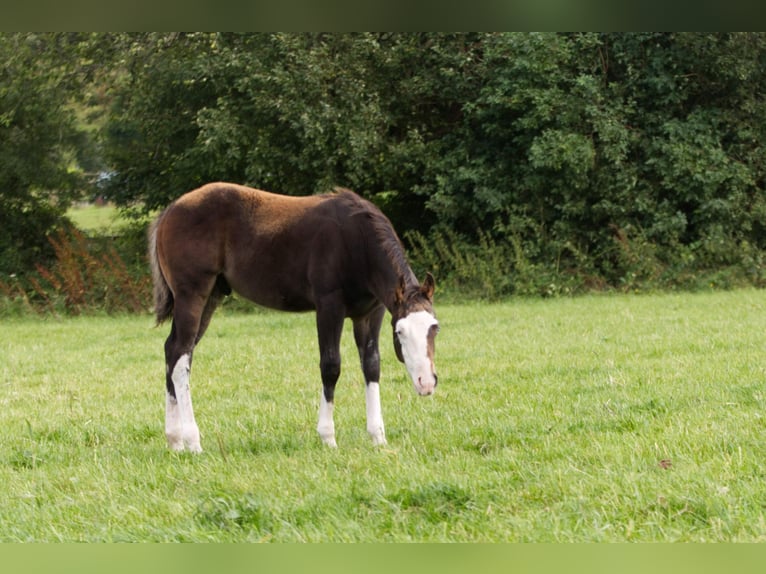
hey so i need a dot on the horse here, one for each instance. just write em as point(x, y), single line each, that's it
point(335, 254)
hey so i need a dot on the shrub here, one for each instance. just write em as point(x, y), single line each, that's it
point(489, 269)
point(87, 275)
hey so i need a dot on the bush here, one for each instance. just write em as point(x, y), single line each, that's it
point(489, 270)
point(87, 275)
point(514, 263)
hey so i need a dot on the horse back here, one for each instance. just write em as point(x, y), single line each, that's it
point(278, 251)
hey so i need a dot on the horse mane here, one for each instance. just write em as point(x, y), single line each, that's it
point(384, 231)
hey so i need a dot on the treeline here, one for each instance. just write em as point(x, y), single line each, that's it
point(510, 162)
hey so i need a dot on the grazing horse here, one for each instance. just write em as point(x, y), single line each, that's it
point(336, 254)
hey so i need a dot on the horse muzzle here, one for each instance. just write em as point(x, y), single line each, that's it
point(426, 386)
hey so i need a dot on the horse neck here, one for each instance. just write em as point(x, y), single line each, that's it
point(388, 265)
point(384, 253)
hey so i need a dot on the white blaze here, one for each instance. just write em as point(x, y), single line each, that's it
point(412, 331)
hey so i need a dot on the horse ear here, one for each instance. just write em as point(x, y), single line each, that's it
point(428, 286)
point(399, 293)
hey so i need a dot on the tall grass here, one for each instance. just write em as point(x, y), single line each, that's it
point(518, 262)
point(600, 418)
point(87, 275)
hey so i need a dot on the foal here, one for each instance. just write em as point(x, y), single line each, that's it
point(336, 254)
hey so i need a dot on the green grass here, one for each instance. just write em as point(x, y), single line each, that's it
point(601, 418)
point(95, 218)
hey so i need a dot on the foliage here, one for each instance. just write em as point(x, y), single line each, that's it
point(483, 271)
point(593, 160)
point(87, 275)
point(583, 140)
point(37, 144)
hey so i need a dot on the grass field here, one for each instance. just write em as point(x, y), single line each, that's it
point(601, 418)
point(94, 218)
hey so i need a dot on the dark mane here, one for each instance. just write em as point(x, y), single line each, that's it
point(388, 239)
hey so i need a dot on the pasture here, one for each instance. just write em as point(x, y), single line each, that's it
point(600, 418)
point(95, 218)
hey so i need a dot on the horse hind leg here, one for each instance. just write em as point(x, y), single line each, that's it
point(220, 291)
point(181, 428)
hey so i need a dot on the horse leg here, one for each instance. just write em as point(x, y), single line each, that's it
point(330, 318)
point(220, 291)
point(366, 334)
point(181, 428)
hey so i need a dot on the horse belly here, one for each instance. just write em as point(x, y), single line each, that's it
point(281, 300)
point(280, 267)
point(272, 292)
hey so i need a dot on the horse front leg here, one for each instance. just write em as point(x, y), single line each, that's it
point(366, 335)
point(330, 316)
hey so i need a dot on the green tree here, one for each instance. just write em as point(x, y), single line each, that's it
point(38, 145)
point(612, 157)
point(282, 112)
point(578, 144)
point(294, 113)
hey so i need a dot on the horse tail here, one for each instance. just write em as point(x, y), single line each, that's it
point(163, 297)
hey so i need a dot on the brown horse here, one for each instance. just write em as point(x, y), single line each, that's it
point(336, 254)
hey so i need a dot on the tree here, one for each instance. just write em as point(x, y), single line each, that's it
point(603, 152)
point(293, 113)
point(611, 156)
point(38, 137)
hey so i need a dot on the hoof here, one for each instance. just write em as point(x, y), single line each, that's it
point(378, 438)
point(330, 441)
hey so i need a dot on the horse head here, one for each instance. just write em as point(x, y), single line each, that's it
point(415, 328)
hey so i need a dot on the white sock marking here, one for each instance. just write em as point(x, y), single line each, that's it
point(374, 414)
point(173, 426)
point(182, 414)
point(326, 425)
